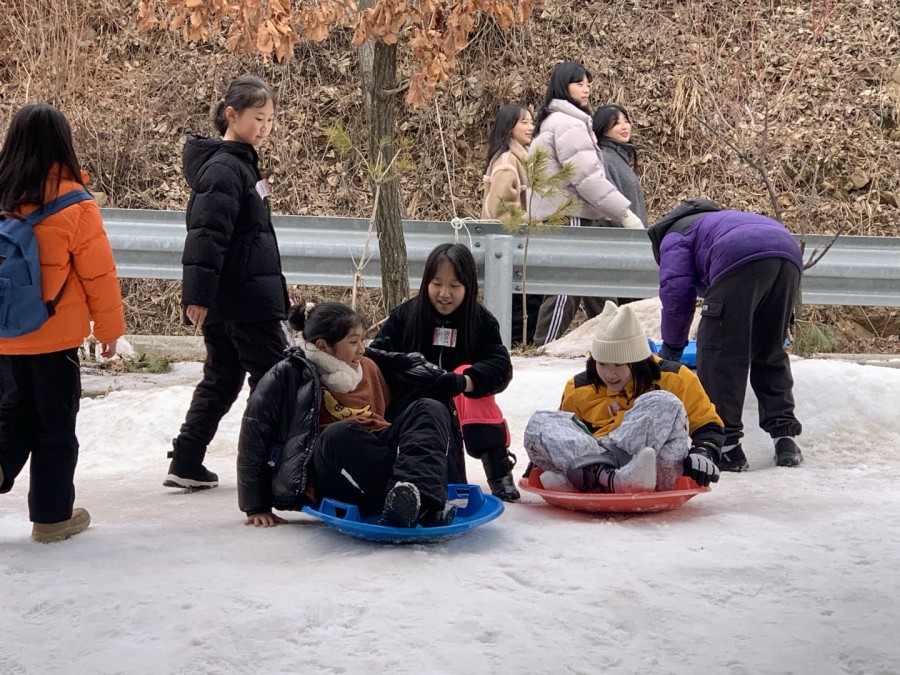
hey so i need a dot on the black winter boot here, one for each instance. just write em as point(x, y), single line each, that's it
point(401, 506)
point(498, 466)
point(787, 453)
point(734, 460)
point(187, 472)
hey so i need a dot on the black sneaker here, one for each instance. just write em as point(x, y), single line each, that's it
point(787, 453)
point(401, 506)
point(190, 476)
point(734, 460)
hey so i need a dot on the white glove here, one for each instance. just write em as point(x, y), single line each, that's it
point(631, 221)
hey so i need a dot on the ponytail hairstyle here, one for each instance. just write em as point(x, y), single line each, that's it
point(501, 133)
point(420, 331)
point(606, 118)
point(563, 75)
point(645, 374)
point(329, 321)
point(38, 143)
point(246, 91)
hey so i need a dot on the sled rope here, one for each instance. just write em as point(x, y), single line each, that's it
point(456, 222)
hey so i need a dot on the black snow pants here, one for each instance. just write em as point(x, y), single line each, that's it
point(743, 324)
point(355, 465)
point(40, 396)
point(233, 350)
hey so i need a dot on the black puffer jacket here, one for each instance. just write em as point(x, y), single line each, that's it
point(281, 425)
point(491, 370)
point(231, 260)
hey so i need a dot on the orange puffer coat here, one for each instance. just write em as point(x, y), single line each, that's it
point(73, 244)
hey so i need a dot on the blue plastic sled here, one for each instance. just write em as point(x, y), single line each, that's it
point(688, 358)
point(345, 518)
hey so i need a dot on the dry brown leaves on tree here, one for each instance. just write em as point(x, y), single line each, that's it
point(437, 30)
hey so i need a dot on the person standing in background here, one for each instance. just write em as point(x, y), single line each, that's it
point(504, 183)
point(564, 128)
point(613, 128)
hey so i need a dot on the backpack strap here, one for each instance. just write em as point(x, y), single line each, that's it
point(47, 210)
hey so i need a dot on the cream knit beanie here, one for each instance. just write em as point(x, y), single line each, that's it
point(619, 337)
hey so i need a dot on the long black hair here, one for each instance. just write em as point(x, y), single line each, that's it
point(246, 91)
point(563, 75)
point(420, 331)
point(501, 133)
point(38, 142)
point(605, 118)
point(645, 374)
point(329, 321)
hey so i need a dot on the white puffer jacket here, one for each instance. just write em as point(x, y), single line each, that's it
point(567, 134)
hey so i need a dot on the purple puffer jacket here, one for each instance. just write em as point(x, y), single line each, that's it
point(697, 243)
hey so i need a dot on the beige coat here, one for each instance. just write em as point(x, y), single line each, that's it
point(504, 181)
point(567, 134)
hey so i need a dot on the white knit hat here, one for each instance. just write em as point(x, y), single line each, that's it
point(619, 337)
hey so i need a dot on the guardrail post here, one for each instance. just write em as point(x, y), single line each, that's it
point(498, 281)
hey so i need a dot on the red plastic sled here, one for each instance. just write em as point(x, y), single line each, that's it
point(642, 502)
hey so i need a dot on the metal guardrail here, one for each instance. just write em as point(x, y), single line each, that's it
point(318, 250)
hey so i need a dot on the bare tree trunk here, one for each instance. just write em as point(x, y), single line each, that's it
point(379, 68)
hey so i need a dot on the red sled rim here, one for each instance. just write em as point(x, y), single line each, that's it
point(643, 502)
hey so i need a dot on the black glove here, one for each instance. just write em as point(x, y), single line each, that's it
point(701, 468)
point(670, 353)
point(448, 385)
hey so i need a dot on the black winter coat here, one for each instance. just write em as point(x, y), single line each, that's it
point(281, 425)
point(231, 259)
point(491, 370)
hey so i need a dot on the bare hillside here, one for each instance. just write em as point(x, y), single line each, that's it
point(808, 94)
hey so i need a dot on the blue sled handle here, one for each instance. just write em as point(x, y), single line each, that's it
point(341, 510)
point(471, 493)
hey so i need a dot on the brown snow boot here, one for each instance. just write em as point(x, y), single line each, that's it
point(47, 533)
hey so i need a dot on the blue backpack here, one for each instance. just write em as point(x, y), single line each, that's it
point(22, 306)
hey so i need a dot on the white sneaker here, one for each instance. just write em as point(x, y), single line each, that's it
point(639, 475)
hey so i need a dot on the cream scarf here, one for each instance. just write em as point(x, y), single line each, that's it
point(337, 376)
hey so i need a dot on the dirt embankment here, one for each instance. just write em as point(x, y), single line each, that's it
point(789, 106)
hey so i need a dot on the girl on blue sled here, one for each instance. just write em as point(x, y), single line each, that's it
point(325, 422)
point(454, 331)
point(630, 422)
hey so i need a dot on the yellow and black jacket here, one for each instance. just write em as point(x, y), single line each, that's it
point(603, 410)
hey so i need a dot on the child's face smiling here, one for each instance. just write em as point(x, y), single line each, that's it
point(350, 349)
point(616, 376)
point(621, 130)
point(524, 129)
point(445, 291)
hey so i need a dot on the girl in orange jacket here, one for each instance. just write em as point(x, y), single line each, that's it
point(40, 378)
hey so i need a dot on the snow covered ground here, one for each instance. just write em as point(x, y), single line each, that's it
point(775, 571)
